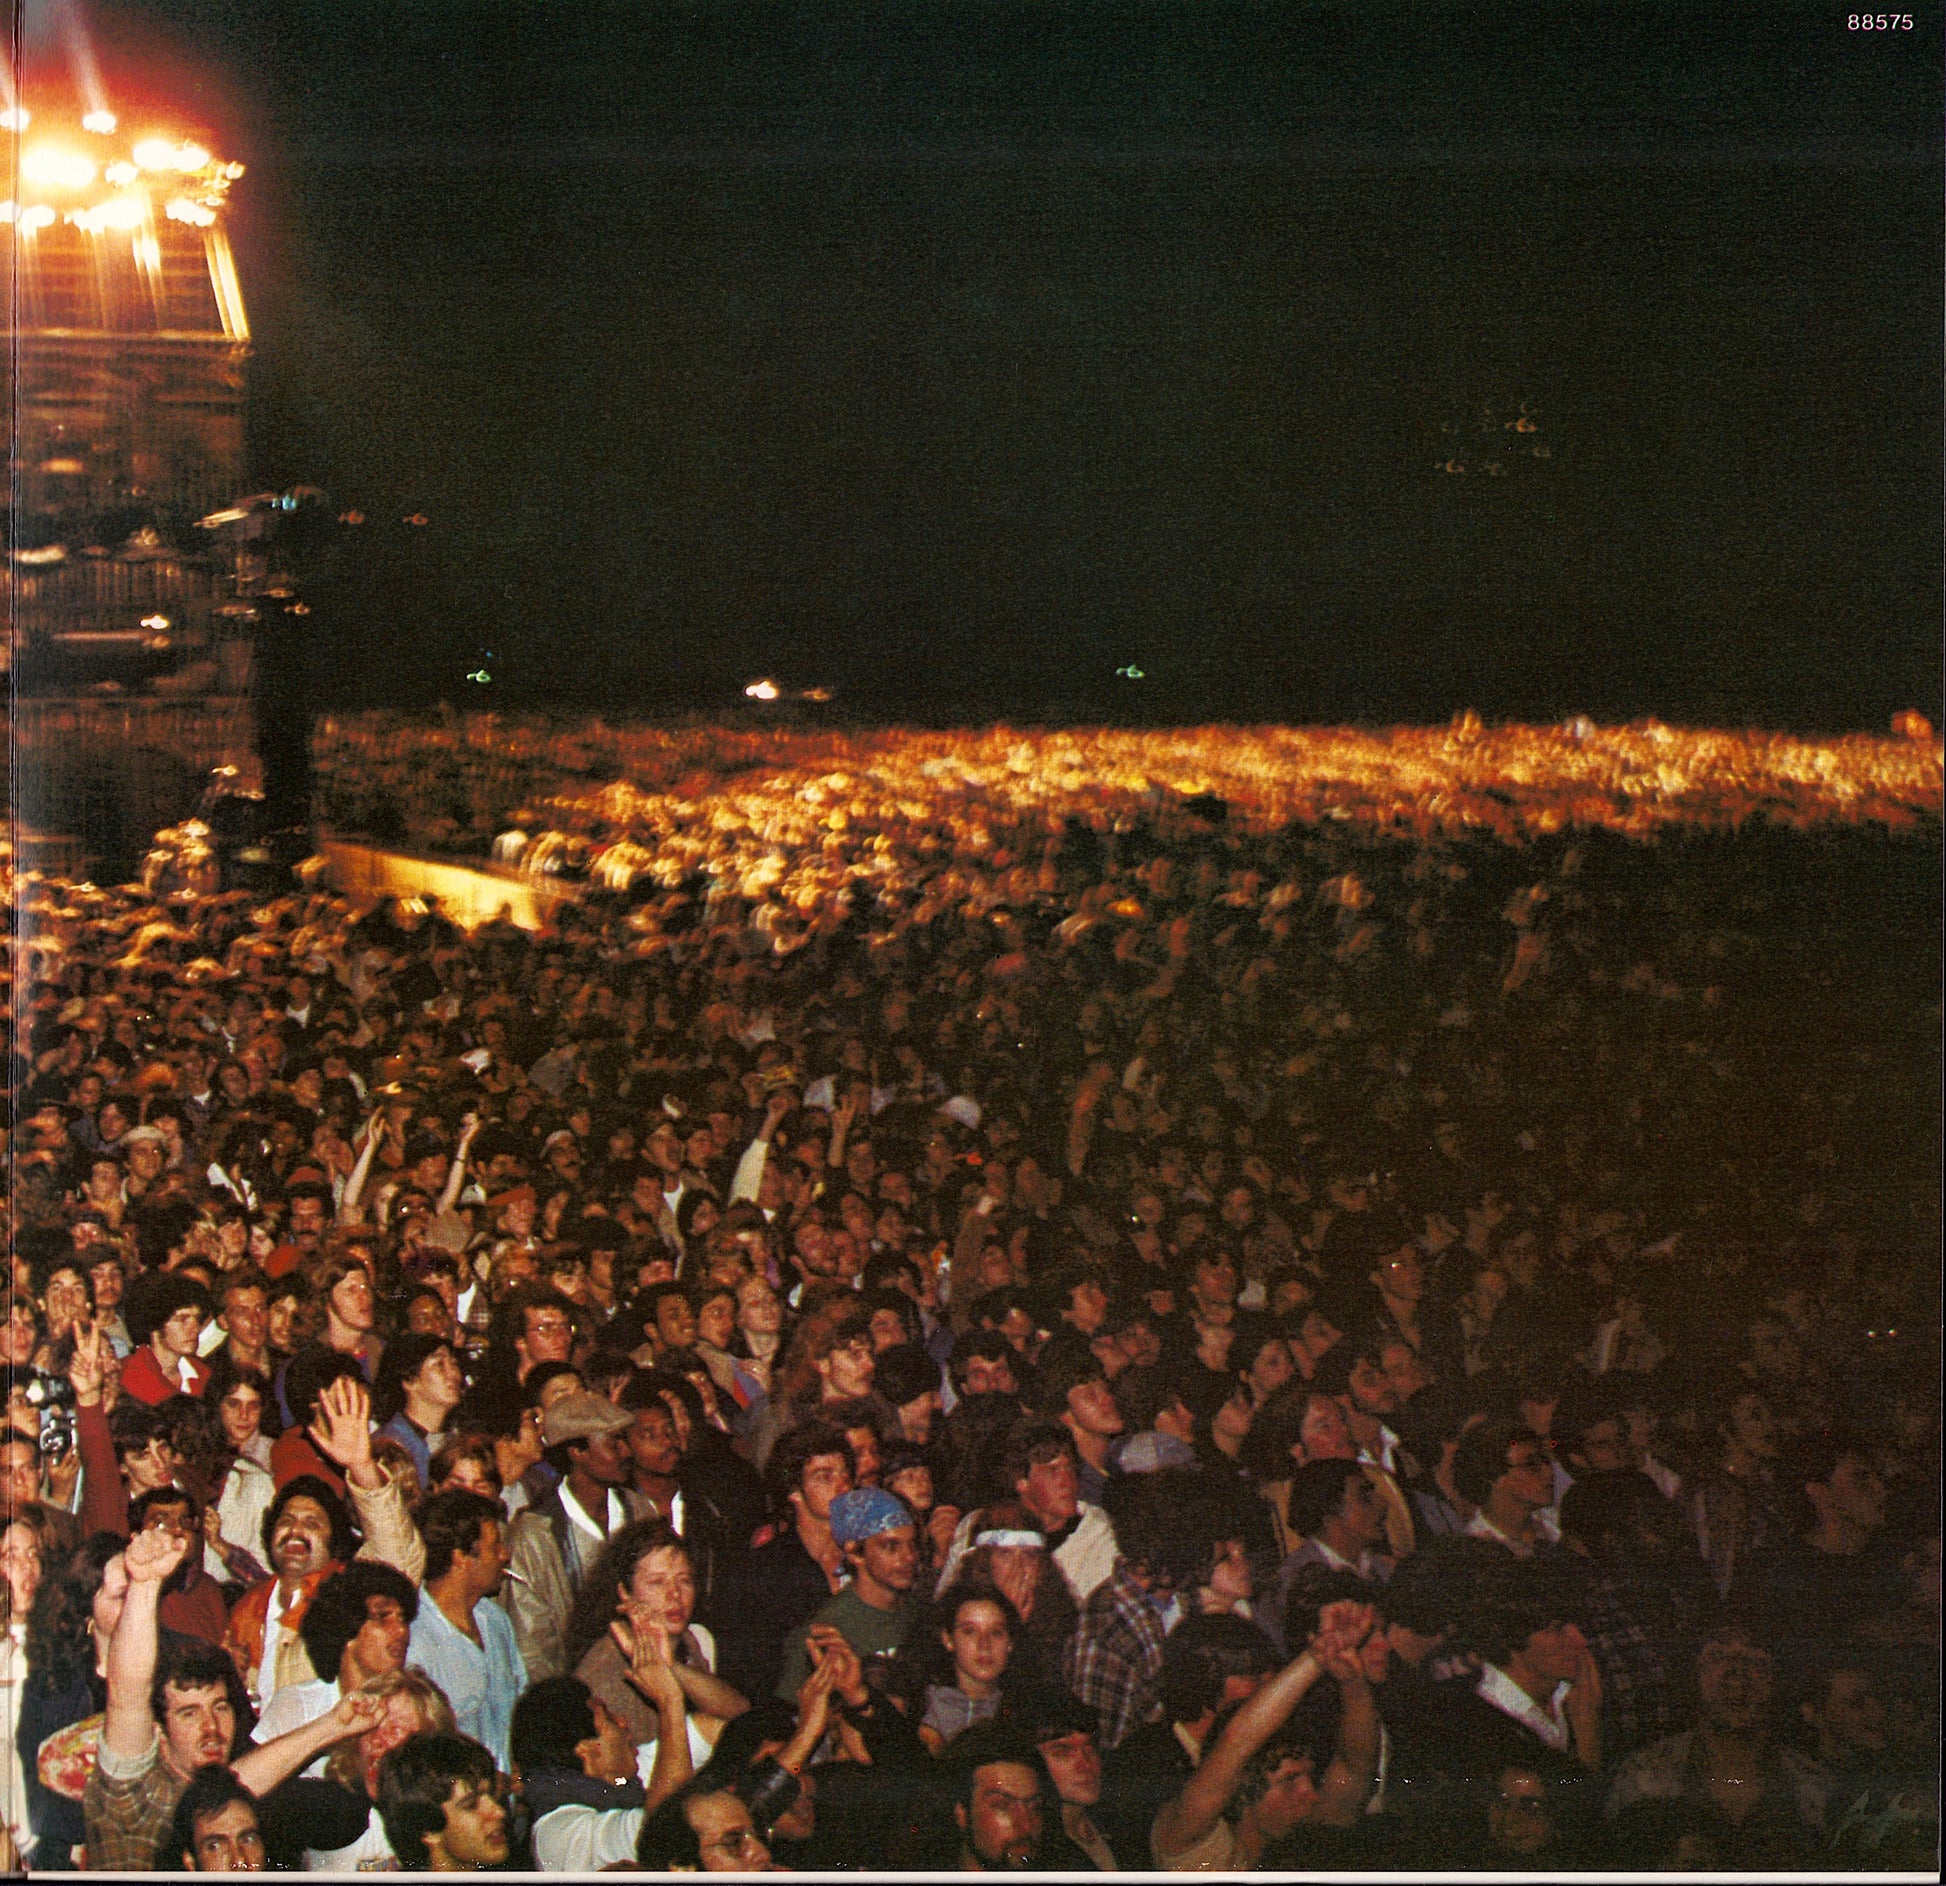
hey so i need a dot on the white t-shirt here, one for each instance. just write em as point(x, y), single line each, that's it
point(267, 1670)
point(586, 1839)
point(295, 1705)
point(371, 1852)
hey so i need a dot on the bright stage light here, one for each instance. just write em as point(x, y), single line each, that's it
point(101, 122)
point(15, 118)
point(122, 212)
point(56, 169)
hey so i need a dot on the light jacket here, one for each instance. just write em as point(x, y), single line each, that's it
point(390, 1539)
point(539, 1592)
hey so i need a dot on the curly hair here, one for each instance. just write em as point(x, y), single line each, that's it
point(338, 1610)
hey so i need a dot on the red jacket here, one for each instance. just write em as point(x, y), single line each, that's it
point(294, 1452)
point(142, 1377)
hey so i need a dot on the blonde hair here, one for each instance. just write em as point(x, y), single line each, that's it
point(435, 1712)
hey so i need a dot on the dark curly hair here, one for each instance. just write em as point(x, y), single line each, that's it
point(343, 1541)
point(338, 1611)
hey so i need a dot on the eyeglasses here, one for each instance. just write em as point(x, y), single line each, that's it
point(737, 1840)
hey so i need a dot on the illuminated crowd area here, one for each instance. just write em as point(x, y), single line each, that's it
point(801, 813)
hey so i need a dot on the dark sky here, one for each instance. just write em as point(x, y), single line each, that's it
point(976, 351)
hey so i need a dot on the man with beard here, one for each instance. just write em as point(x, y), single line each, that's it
point(998, 1787)
point(308, 1535)
point(145, 1765)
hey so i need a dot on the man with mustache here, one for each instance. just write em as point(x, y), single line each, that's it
point(145, 1766)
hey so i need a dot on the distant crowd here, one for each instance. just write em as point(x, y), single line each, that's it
point(1167, 1339)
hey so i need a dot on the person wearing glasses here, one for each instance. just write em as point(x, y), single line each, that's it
point(703, 1828)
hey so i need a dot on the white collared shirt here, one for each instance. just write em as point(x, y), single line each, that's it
point(578, 1516)
point(1498, 1688)
point(267, 1670)
point(1481, 1527)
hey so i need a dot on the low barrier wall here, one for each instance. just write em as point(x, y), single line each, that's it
point(469, 897)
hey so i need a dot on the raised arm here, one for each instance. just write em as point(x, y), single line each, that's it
point(651, 1668)
point(264, 1764)
point(1207, 1794)
point(1347, 1781)
point(1081, 1121)
point(342, 1430)
point(350, 1207)
point(104, 1496)
point(130, 1723)
point(750, 1168)
point(456, 1178)
point(842, 1116)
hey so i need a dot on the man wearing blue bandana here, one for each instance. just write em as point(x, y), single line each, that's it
point(873, 1614)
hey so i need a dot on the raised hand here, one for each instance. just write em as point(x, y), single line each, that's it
point(941, 1523)
point(85, 1370)
point(342, 1427)
point(1017, 1576)
point(151, 1556)
point(814, 1698)
point(1342, 1629)
point(650, 1657)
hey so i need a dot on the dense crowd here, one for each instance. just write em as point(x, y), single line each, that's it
point(1161, 1336)
point(798, 813)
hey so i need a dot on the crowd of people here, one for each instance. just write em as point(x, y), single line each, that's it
point(797, 811)
point(1165, 1337)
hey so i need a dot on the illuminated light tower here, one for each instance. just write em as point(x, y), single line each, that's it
point(129, 346)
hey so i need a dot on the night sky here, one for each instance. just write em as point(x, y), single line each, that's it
point(957, 356)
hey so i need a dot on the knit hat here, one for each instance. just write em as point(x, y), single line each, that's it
point(1150, 1452)
point(865, 1512)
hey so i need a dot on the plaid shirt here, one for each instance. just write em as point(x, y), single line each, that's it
point(1112, 1661)
point(1642, 1697)
point(129, 1807)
